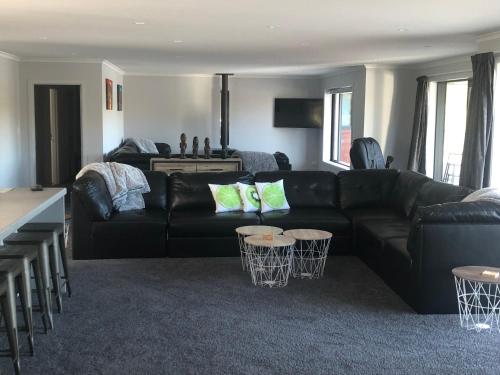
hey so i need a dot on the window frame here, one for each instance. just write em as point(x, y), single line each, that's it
point(440, 120)
point(335, 138)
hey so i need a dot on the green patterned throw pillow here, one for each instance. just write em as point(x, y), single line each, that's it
point(226, 197)
point(250, 197)
point(272, 196)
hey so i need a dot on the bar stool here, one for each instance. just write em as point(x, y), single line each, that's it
point(43, 242)
point(29, 255)
point(58, 231)
point(12, 272)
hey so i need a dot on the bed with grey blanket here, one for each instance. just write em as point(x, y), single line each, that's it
point(125, 183)
point(254, 161)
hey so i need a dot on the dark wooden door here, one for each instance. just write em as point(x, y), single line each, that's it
point(58, 134)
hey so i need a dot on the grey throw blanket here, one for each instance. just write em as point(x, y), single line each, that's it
point(254, 161)
point(145, 146)
point(125, 183)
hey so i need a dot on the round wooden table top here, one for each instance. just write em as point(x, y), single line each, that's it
point(251, 230)
point(277, 241)
point(308, 234)
point(475, 273)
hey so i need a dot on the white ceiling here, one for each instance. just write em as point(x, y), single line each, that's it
point(309, 37)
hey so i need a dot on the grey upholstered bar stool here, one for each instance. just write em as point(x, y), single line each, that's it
point(43, 243)
point(14, 271)
point(57, 229)
point(30, 256)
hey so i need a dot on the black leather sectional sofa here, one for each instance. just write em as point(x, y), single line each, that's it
point(408, 228)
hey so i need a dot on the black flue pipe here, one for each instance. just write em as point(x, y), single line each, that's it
point(224, 113)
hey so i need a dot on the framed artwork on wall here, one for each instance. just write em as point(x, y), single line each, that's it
point(109, 94)
point(119, 97)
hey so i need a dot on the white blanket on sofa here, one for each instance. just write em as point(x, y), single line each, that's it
point(125, 183)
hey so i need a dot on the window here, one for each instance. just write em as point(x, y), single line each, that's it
point(341, 126)
point(446, 129)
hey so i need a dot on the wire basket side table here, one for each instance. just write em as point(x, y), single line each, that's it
point(478, 298)
point(309, 253)
point(270, 260)
point(252, 230)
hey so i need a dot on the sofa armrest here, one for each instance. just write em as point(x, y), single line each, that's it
point(436, 248)
point(459, 212)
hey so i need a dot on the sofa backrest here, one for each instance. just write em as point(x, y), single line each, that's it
point(91, 190)
point(366, 188)
point(305, 189)
point(405, 191)
point(157, 197)
point(187, 191)
point(434, 192)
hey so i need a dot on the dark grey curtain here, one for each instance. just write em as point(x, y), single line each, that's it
point(416, 161)
point(476, 158)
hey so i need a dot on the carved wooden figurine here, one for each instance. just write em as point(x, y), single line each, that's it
point(195, 147)
point(183, 146)
point(207, 148)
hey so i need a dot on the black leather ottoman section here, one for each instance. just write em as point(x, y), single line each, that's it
point(396, 264)
point(142, 234)
point(202, 223)
point(378, 231)
point(182, 247)
point(371, 236)
point(357, 215)
point(331, 220)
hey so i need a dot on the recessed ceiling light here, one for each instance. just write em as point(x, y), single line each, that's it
point(402, 29)
point(140, 22)
point(43, 38)
point(272, 27)
point(178, 41)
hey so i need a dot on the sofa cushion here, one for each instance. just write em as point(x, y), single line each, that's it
point(433, 192)
point(157, 197)
point(405, 191)
point(360, 214)
point(190, 191)
point(131, 234)
point(366, 188)
point(204, 223)
point(305, 188)
point(91, 190)
point(396, 254)
point(378, 231)
point(328, 219)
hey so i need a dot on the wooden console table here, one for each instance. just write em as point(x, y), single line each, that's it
point(195, 165)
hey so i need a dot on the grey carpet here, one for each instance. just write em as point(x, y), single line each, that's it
point(203, 316)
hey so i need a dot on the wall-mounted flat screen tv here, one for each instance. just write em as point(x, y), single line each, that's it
point(298, 113)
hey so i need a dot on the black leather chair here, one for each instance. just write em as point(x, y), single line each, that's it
point(366, 153)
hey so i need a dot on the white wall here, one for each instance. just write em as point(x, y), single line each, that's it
point(388, 112)
point(112, 120)
point(161, 108)
point(89, 76)
point(10, 132)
